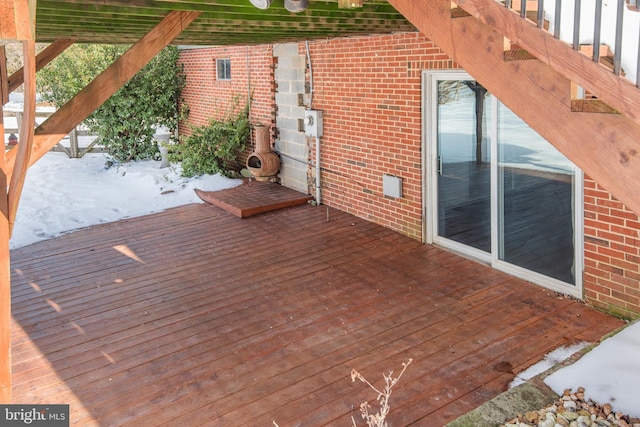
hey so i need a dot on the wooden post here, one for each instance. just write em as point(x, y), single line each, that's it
point(8, 208)
point(17, 22)
point(5, 275)
point(4, 88)
point(73, 143)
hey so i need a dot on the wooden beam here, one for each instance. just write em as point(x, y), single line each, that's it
point(222, 21)
point(63, 121)
point(49, 54)
point(605, 146)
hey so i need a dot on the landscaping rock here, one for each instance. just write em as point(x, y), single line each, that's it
point(572, 410)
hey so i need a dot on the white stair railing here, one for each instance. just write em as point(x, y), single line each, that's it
point(614, 23)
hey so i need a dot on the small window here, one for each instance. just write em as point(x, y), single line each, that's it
point(223, 68)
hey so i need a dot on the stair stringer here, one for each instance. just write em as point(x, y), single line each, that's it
point(605, 146)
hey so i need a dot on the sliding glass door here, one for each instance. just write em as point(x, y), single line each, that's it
point(495, 189)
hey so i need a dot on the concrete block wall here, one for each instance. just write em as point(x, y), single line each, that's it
point(291, 142)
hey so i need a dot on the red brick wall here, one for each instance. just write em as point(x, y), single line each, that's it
point(369, 89)
point(611, 252)
point(207, 98)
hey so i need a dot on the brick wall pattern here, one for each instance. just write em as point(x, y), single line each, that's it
point(611, 252)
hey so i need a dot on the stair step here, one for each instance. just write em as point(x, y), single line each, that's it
point(591, 105)
point(458, 12)
point(517, 54)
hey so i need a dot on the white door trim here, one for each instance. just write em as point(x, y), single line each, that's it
point(430, 195)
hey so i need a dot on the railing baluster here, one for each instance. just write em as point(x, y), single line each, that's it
point(597, 29)
point(540, 13)
point(597, 26)
point(576, 25)
point(557, 19)
point(617, 55)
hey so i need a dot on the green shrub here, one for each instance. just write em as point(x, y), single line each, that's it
point(127, 121)
point(212, 148)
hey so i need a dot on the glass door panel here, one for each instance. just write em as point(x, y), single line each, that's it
point(535, 201)
point(463, 155)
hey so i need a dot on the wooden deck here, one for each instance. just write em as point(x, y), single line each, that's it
point(195, 317)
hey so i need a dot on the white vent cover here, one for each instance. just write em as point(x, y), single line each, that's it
point(391, 186)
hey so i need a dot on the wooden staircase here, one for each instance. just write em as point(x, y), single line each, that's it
point(605, 146)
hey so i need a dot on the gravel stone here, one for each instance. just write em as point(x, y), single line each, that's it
point(571, 410)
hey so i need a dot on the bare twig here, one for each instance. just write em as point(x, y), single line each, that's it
point(379, 418)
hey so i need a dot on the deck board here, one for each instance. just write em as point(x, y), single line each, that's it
point(194, 317)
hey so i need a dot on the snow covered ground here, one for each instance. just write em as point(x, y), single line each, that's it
point(63, 194)
point(610, 373)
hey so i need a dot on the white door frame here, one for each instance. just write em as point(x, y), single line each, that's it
point(430, 195)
